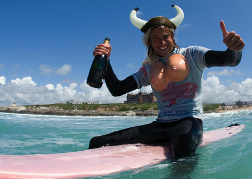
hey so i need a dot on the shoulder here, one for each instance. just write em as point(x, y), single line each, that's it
point(144, 70)
point(195, 55)
point(194, 52)
point(193, 49)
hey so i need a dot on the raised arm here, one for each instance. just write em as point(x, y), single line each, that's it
point(115, 86)
point(230, 57)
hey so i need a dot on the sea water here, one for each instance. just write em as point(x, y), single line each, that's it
point(231, 158)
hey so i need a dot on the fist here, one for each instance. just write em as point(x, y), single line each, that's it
point(232, 40)
point(102, 49)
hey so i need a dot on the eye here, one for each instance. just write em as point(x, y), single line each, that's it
point(155, 38)
point(166, 37)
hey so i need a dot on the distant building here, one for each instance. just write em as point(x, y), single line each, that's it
point(228, 105)
point(249, 103)
point(148, 98)
point(133, 98)
point(141, 98)
point(243, 103)
point(13, 104)
point(236, 104)
point(82, 102)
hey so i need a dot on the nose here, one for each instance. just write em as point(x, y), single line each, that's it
point(161, 41)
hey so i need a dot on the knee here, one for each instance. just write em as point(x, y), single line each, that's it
point(94, 143)
point(183, 148)
point(187, 144)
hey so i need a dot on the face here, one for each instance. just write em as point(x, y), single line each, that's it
point(161, 41)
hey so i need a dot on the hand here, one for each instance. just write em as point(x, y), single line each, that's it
point(102, 49)
point(232, 40)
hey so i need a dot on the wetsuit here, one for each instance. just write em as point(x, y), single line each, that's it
point(179, 121)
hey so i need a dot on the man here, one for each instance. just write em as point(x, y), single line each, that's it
point(179, 122)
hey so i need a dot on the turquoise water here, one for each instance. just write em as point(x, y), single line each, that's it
point(231, 158)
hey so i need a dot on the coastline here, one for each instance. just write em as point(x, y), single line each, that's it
point(235, 109)
point(60, 112)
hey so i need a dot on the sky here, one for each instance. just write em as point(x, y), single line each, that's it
point(46, 46)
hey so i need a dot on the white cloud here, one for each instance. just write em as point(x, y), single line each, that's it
point(130, 65)
point(64, 70)
point(50, 87)
point(224, 72)
point(238, 72)
point(24, 81)
point(102, 94)
point(146, 89)
point(25, 91)
point(1, 66)
point(2, 80)
point(46, 69)
point(66, 93)
point(184, 26)
point(138, 13)
point(215, 92)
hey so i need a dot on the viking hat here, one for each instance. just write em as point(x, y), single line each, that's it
point(157, 21)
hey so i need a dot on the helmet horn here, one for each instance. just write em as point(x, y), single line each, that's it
point(139, 23)
point(179, 17)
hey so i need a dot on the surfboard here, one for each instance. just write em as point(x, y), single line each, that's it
point(95, 162)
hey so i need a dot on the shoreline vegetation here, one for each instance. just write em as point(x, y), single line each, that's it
point(113, 109)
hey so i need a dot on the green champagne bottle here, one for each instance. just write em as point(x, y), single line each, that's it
point(98, 69)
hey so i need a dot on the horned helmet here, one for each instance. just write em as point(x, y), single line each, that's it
point(144, 26)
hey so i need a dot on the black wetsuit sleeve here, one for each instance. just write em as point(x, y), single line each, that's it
point(117, 87)
point(223, 58)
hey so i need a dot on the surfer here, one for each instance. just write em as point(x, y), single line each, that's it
point(179, 96)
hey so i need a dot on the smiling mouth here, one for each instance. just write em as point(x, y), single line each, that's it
point(163, 48)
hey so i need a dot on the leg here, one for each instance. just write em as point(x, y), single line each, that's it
point(139, 134)
point(186, 136)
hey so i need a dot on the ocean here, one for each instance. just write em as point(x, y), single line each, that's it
point(231, 158)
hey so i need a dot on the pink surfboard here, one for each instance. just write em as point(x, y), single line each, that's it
point(94, 162)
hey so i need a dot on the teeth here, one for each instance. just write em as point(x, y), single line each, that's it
point(163, 48)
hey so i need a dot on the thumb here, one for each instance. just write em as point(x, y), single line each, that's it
point(223, 28)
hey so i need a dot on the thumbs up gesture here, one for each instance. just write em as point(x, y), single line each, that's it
point(232, 40)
